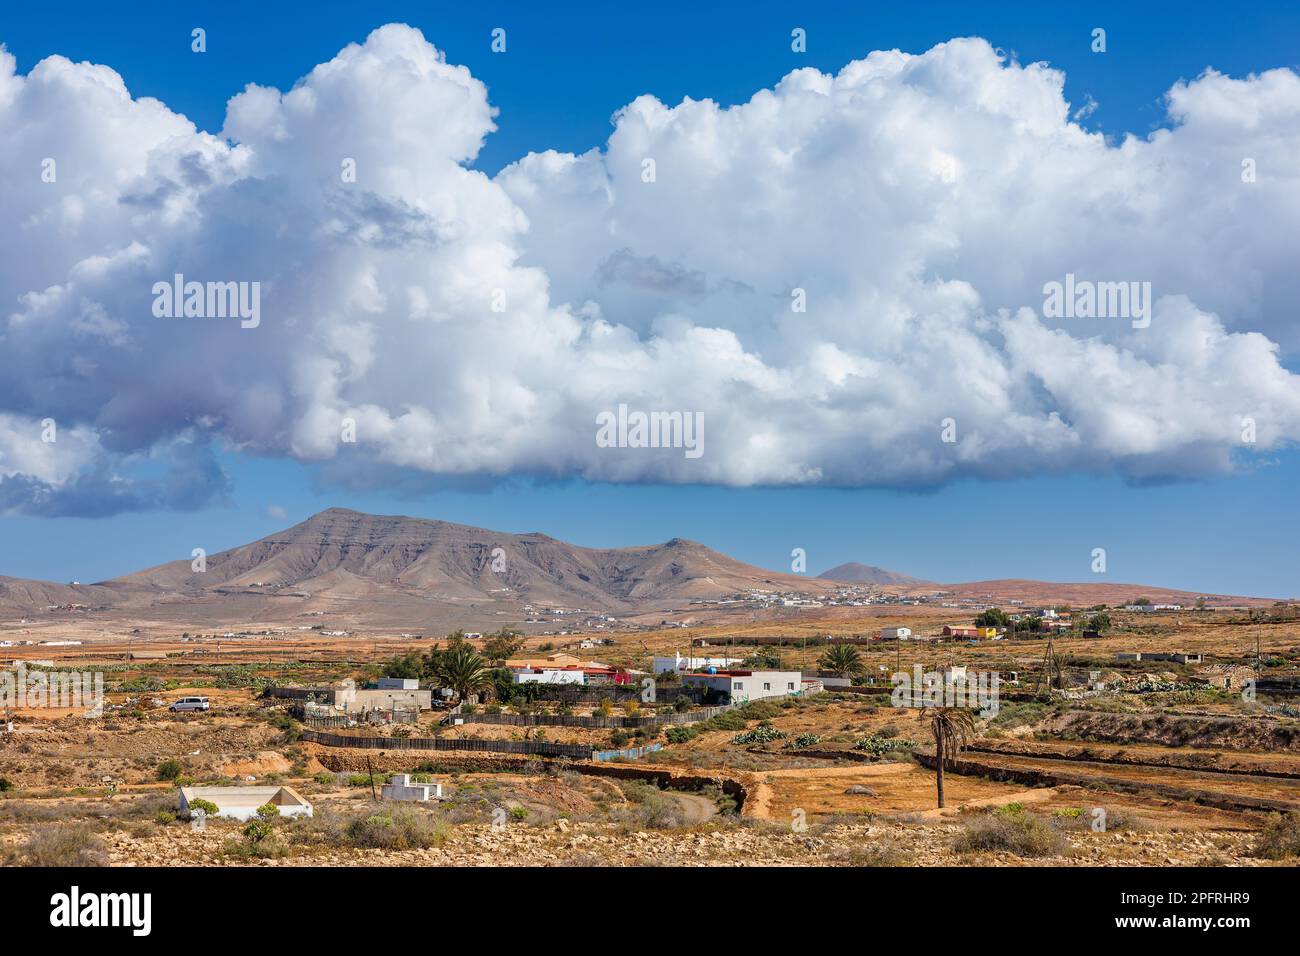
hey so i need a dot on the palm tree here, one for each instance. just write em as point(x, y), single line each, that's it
point(952, 728)
point(842, 660)
point(463, 669)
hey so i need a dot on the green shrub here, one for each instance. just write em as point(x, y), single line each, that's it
point(679, 735)
point(730, 720)
point(6, 785)
point(170, 770)
point(879, 745)
point(759, 710)
point(759, 735)
point(207, 806)
point(258, 829)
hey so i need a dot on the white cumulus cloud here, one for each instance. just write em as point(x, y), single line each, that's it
point(462, 325)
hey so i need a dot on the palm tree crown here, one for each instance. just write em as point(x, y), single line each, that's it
point(463, 669)
point(842, 660)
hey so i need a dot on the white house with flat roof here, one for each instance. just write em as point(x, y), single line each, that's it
point(548, 675)
point(351, 699)
point(679, 664)
point(241, 803)
point(744, 685)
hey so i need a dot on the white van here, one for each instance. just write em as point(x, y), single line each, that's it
point(190, 703)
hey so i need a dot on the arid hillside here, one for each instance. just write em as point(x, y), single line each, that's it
point(340, 559)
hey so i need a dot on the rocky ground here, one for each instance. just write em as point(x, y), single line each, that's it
point(564, 843)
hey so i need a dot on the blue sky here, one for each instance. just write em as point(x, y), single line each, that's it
point(567, 71)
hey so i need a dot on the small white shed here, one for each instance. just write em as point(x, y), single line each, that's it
point(400, 787)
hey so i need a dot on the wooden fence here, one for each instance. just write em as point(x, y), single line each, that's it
point(535, 748)
point(338, 721)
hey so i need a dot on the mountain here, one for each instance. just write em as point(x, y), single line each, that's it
point(21, 594)
point(342, 568)
point(855, 573)
point(346, 550)
point(394, 569)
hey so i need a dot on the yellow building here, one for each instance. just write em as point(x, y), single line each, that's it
point(989, 632)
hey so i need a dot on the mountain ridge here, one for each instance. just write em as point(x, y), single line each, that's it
point(364, 556)
point(403, 570)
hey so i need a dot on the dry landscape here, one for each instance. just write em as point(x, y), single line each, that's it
point(1131, 762)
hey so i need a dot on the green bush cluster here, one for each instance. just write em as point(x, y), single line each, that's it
point(763, 733)
point(879, 746)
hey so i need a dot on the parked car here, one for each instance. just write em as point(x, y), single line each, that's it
point(190, 703)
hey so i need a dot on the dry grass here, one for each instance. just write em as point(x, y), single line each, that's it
point(1022, 834)
point(887, 852)
point(649, 808)
point(386, 828)
point(60, 844)
point(1280, 838)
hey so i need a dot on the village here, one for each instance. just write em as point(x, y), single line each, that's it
point(1075, 737)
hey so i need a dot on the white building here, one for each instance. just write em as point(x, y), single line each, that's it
point(400, 787)
point(679, 664)
point(743, 686)
point(895, 633)
point(548, 675)
point(351, 699)
point(241, 803)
